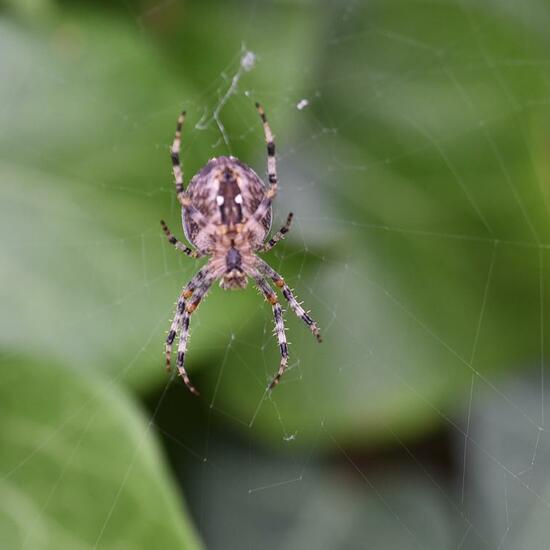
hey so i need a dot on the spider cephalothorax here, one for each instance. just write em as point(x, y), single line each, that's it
point(226, 214)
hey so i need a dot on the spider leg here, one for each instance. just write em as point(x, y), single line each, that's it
point(278, 236)
point(271, 161)
point(295, 306)
point(186, 293)
point(271, 191)
point(175, 154)
point(178, 244)
point(198, 295)
point(271, 297)
point(183, 197)
point(182, 348)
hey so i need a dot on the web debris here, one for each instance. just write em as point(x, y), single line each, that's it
point(247, 63)
point(290, 437)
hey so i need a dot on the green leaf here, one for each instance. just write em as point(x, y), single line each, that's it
point(438, 225)
point(79, 466)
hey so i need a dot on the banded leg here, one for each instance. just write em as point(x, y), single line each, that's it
point(271, 297)
point(178, 244)
point(198, 295)
point(271, 191)
point(296, 306)
point(174, 330)
point(176, 164)
point(271, 161)
point(180, 309)
point(183, 198)
point(278, 236)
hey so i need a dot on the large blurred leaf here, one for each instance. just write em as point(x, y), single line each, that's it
point(79, 468)
point(433, 172)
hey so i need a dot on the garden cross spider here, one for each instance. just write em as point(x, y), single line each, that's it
point(226, 214)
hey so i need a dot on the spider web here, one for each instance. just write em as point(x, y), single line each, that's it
point(491, 490)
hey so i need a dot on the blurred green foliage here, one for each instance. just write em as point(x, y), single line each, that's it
point(418, 175)
point(79, 469)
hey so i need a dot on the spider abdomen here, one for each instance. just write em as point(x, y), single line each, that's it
point(226, 192)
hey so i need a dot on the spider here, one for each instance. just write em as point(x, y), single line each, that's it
point(226, 215)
